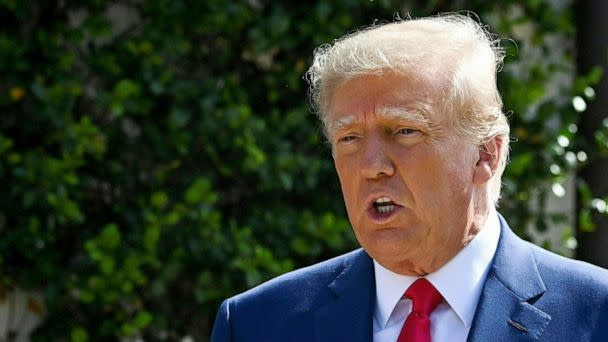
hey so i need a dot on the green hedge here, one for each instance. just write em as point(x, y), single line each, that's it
point(159, 156)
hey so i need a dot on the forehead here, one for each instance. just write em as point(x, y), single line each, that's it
point(389, 95)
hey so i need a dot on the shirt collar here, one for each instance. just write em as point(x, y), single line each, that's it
point(390, 287)
point(460, 281)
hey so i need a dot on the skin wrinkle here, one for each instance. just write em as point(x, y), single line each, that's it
point(446, 243)
point(438, 181)
point(389, 113)
point(418, 112)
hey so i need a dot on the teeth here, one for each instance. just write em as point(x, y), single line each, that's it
point(383, 199)
point(384, 205)
point(385, 208)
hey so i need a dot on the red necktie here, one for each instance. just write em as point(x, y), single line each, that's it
point(425, 298)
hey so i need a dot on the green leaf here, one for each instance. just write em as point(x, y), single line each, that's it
point(151, 237)
point(520, 163)
point(125, 89)
point(159, 199)
point(142, 320)
point(79, 334)
point(200, 192)
point(110, 237)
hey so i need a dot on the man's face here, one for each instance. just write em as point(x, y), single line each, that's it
point(407, 179)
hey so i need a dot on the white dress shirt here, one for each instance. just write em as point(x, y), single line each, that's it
point(460, 282)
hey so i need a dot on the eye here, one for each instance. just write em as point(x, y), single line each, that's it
point(347, 138)
point(407, 131)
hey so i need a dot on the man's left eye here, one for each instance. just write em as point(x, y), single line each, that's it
point(407, 131)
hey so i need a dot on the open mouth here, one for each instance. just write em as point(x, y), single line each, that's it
point(384, 205)
point(382, 209)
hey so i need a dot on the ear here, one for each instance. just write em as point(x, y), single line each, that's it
point(488, 160)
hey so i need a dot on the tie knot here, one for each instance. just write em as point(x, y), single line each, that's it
point(424, 296)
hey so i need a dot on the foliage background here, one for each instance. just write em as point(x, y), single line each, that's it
point(159, 156)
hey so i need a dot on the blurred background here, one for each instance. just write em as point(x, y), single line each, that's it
point(157, 157)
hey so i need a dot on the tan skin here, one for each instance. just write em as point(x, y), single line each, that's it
point(389, 140)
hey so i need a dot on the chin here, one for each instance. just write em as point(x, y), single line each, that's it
point(390, 244)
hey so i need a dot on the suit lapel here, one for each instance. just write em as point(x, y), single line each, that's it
point(506, 305)
point(348, 315)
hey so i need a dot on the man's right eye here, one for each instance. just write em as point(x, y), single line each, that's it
point(347, 138)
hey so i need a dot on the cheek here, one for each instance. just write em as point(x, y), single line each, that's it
point(438, 180)
point(348, 182)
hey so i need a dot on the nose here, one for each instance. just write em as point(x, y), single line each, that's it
point(376, 161)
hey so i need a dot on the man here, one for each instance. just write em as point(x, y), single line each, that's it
point(420, 142)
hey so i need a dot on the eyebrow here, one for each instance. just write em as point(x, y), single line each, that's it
point(416, 115)
point(341, 123)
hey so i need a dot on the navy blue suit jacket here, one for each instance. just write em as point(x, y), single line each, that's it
point(529, 294)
